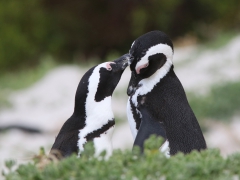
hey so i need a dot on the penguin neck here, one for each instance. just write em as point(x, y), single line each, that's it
point(85, 103)
point(94, 108)
point(147, 85)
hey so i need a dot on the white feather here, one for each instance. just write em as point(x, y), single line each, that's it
point(132, 44)
point(104, 143)
point(131, 120)
point(165, 149)
point(159, 48)
point(97, 114)
point(148, 83)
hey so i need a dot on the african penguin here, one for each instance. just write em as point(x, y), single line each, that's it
point(157, 102)
point(92, 119)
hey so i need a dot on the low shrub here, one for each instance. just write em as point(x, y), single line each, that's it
point(207, 164)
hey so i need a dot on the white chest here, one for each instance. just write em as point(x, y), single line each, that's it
point(98, 114)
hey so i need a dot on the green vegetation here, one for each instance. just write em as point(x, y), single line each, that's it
point(73, 31)
point(221, 102)
point(208, 164)
point(219, 41)
point(24, 32)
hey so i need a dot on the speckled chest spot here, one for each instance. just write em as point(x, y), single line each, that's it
point(141, 100)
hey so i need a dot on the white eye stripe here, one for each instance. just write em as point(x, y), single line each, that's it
point(148, 83)
point(132, 44)
point(159, 48)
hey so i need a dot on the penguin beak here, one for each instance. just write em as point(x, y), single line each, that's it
point(121, 63)
point(133, 84)
point(131, 58)
point(130, 90)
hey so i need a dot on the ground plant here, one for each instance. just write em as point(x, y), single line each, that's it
point(207, 164)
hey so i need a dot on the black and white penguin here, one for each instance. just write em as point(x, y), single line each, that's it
point(92, 119)
point(157, 102)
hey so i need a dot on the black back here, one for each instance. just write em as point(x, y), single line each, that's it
point(168, 103)
point(66, 140)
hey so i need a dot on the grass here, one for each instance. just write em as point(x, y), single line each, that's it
point(222, 102)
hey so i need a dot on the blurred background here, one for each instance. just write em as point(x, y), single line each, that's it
point(47, 45)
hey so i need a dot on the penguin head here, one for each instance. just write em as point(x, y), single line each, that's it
point(110, 74)
point(150, 53)
point(120, 64)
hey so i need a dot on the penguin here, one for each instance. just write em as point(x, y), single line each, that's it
point(157, 101)
point(92, 119)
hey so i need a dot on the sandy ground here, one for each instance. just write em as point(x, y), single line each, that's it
point(202, 69)
point(48, 103)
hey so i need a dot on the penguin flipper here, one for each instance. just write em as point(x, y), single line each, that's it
point(65, 144)
point(149, 126)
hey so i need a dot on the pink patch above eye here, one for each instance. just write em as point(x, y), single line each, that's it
point(109, 68)
point(140, 67)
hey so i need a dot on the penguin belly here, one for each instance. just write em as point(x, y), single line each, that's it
point(104, 143)
point(133, 118)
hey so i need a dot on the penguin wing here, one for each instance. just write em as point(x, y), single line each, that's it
point(66, 143)
point(149, 126)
